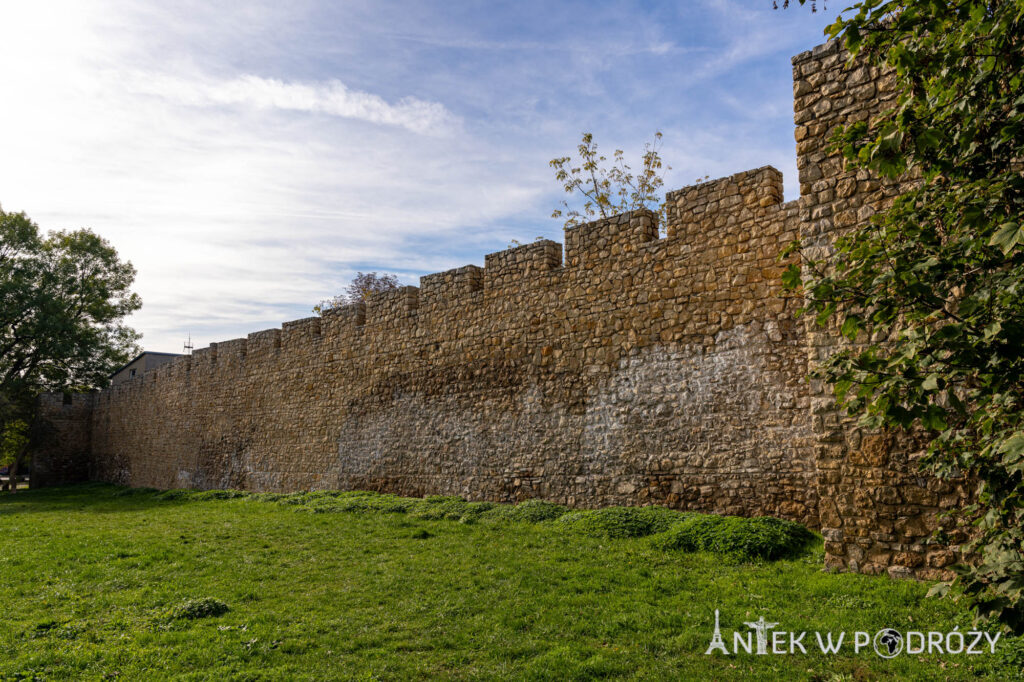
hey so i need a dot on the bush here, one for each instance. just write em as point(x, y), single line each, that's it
point(175, 494)
point(474, 510)
point(622, 522)
point(743, 539)
point(439, 507)
point(450, 509)
point(204, 607)
point(267, 497)
point(369, 502)
point(134, 492)
point(374, 503)
point(739, 538)
point(530, 511)
point(218, 494)
point(191, 494)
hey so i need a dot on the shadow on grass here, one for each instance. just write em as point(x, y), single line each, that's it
point(94, 496)
point(734, 539)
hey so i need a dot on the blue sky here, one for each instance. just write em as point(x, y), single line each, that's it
point(249, 158)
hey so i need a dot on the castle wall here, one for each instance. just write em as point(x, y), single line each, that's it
point(876, 508)
point(60, 439)
point(629, 369)
point(618, 368)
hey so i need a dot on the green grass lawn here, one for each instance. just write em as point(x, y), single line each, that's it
point(91, 576)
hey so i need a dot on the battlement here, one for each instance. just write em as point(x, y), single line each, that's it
point(505, 268)
point(300, 332)
point(203, 358)
point(231, 351)
point(609, 237)
point(348, 316)
point(705, 210)
point(67, 402)
point(706, 213)
point(178, 366)
point(265, 342)
point(451, 286)
point(392, 306)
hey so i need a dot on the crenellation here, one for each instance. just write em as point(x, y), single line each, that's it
point(264, 342)
point(609, 238)
point(163, 372)
point(231, 351)
point(392, 307)
point(204, 357)
point(343, 318)
point(298, 333)
point(450, 287)
point(505, 269)
point(709, 211)
point(179, 367)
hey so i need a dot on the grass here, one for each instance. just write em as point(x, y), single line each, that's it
point(103, 582)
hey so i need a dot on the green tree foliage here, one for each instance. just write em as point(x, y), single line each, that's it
point(63, 300)
point(362, 286)
point(13, 440)
point(608, 190)
point(932, 289)
point(13, 443)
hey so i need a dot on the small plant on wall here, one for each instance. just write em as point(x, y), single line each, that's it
point(599, 190)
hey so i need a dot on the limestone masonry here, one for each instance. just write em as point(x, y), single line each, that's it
point(622, 368)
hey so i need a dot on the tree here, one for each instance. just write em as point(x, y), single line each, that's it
point(63, 300)
point(362, 285)
point(814, 5)
point(13, 442)
point(932, 288)
point(608, 191)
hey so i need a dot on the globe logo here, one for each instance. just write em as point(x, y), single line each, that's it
point(888, 643)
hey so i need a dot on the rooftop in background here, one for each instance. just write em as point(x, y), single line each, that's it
point(145, 360)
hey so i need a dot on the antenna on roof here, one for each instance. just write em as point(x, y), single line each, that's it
point(188, 345)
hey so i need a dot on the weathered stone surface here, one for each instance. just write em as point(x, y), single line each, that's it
point(636, 372)
point(875, 494)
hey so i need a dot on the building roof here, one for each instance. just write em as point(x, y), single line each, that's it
point(137, 357)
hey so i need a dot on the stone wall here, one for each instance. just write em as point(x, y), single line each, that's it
point(636, 369)
point(876, 510)
point(60, 439)
point(630, 369)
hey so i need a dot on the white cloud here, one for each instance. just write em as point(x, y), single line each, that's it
point(248, 158)
point(241, 200)
point(330, 97)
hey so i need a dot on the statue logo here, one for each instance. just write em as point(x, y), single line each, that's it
point(761, 628)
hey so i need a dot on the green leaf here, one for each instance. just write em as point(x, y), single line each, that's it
point(934, 419)
point(1014, 445)
point(791, 277)
point(1007, 236)
point(851, 326)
